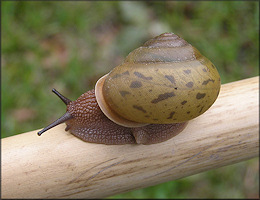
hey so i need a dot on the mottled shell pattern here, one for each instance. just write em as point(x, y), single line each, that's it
point(164, 81)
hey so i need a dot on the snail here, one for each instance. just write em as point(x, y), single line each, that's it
point(147, 99)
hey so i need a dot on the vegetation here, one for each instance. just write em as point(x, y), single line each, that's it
point(69, 45)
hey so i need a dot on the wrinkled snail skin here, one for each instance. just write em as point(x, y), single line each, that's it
point(147, 99)
point(91, 125)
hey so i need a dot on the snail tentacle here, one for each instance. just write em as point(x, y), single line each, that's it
point(67, 116)
point(63, 98)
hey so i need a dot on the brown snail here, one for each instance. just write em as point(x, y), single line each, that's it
point(147, 99)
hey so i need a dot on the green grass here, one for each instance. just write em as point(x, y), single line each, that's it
point(69, 45)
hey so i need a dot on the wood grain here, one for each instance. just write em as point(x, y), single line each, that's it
point(59, 165)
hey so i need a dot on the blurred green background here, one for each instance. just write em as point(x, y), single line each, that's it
point(69, 45)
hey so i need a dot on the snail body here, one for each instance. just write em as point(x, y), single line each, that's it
point(147, 99)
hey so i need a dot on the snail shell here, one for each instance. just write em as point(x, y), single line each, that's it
point(165, 81)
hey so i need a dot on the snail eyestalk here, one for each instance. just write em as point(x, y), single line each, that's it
point(64, 99)
point(62, 119)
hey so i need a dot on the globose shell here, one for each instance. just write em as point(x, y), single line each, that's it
point(166, 80)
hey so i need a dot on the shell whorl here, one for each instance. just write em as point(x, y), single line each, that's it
point(163, 48)
point(166, 80)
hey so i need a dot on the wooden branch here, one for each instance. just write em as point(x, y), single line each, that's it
point(58, 165)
